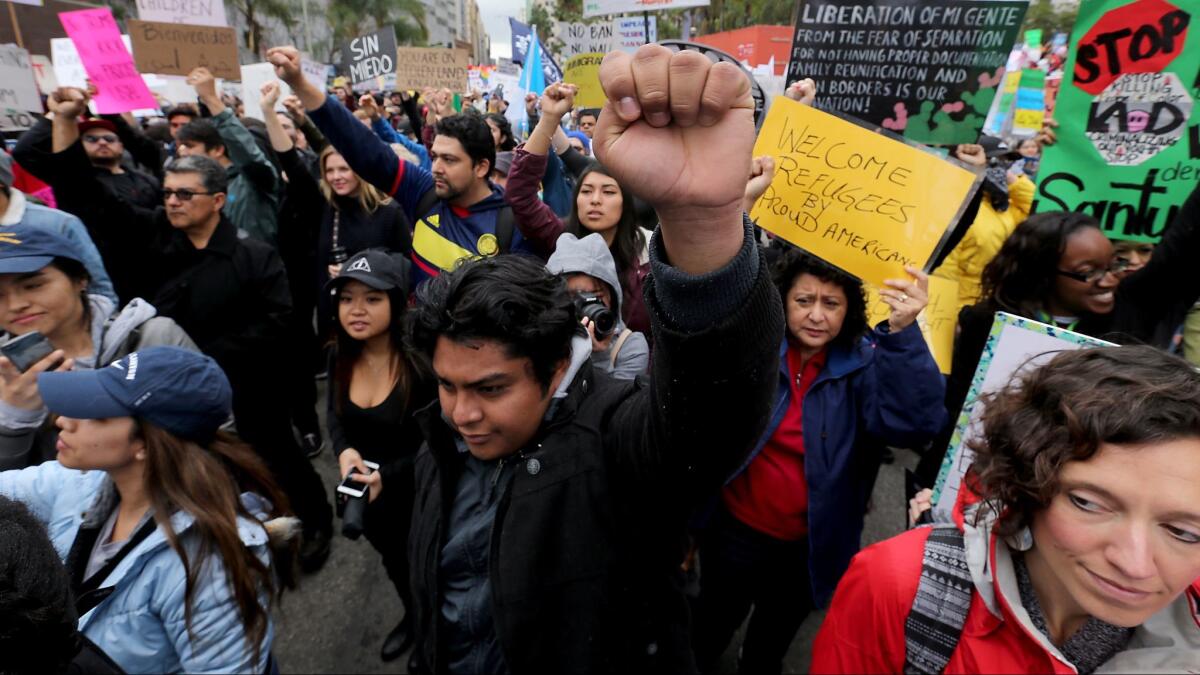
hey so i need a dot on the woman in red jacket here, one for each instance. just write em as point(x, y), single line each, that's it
point(1080, 553)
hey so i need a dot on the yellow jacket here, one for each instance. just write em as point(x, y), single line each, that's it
point(983, 240)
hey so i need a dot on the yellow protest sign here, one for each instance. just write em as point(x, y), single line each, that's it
point(937, 320)
point(583, 71)
point(857, 199)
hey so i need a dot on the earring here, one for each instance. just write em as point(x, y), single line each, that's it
point(140, 456)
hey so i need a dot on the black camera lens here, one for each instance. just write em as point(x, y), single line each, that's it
point(338, 255)
point(604, 321)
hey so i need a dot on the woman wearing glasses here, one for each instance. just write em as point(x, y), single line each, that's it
point(1059, 268)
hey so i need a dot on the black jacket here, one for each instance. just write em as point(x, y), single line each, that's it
point(589, 534)
point(231, 296)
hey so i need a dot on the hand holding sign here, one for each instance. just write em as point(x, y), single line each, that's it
point(971, 153)
point(906, 298)
point(206, 88)
point(802, 91)
point(762, 171)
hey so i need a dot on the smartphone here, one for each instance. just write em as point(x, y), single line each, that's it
point(350, 485)
point(911, 487)
point(26, 350)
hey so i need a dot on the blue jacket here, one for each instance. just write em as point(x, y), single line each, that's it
point(886, 391)
point(389, 135)
point(141, 624)
point(442, 234)
point(23, 212)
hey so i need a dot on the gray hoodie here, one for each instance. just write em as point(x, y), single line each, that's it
point(25, 437)
point(591, 256)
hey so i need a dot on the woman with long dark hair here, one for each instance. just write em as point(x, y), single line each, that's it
point(162, 519)
point(375, 385)
point(600, 205)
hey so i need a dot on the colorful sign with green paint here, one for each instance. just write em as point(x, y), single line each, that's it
point(1128, 148)
point(927, 70)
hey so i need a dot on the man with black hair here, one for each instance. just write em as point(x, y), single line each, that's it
point(551, 500)
point(458, 212)
point(587, 121)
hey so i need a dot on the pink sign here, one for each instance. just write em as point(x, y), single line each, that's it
point(109, 65)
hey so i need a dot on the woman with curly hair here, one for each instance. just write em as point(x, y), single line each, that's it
point(1076, 541)
point(790, 518)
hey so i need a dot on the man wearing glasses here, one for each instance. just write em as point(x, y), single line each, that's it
point(230, 294)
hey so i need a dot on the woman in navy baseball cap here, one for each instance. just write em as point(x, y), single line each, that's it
point(163, 520)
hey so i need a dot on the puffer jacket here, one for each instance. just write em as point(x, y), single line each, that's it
point(864, 629)
point(140, 624)
point(983, 240)
point(26, 436)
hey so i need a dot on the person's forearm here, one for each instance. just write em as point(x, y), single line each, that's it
point(214, 103)
point(65, 131)
point(280, 142)
point(702, 239)
point(309, 95)
point(542, 136)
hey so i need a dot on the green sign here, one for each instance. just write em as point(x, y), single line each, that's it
point(1128, 148)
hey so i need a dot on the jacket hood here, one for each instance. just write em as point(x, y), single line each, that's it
point(589, 256)
point(110, 329)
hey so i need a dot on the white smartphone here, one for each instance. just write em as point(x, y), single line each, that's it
point(352, 487)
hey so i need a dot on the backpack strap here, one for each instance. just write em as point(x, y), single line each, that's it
point(424, 205)
point(616, 348)
point(504, 229)
point(939, 610)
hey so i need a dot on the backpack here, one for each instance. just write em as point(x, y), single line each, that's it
point(939, 610)
point(504, 220)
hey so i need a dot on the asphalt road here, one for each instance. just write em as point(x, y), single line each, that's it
point(337, 619)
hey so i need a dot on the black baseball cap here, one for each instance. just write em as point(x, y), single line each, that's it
point(377, 268)
point(25, 249)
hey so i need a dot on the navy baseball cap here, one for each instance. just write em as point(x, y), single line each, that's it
point(24, 249)
point(182, 391)
point(376, 268)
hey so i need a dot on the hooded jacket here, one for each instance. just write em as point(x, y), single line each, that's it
point(252, 200)
point(443, 233)
point(864, 629)
point(26, 437)
point(591, 256)
point(22, 212)
point(140, 624)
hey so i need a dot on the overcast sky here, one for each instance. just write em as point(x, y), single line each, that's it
point(495, 20)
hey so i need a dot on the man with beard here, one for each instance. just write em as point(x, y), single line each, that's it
point(457, 211)
point(106, 151)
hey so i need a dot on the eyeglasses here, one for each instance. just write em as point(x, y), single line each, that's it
point(93, 138)
point(1115, 267)
point(183, 195)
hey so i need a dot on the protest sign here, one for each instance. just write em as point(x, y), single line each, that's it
point(1128, 149)
point(253, 77)
point(20, 104)
point(1014, 346)
point(119, 86)
point(194, 12)
point(593, 8)
point(937, 321)
point(583, 71)
point(860, 200)
point(629, 32)
point(479, 78)
point(420, 67)
point(370, 56)
point(578, 37)
point(928, 70)
point(43, 73)
point(177, 49)
point(1030, 103)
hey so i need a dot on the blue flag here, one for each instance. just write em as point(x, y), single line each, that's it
point(521, 33)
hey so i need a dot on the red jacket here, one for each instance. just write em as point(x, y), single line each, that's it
point(864, 629)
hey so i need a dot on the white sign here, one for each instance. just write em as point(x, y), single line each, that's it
point(20, 104)
point(601, 7)
point(629, 32)
point(35, 3)
point(315, 72)
point(195, 12)
point(254, 76)
point(43, 73)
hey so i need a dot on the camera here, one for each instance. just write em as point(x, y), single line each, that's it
point(602, 318)
point(338, 255)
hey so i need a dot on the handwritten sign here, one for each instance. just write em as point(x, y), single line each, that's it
point(601, 7)
point(937, 321)
point(370, 56)
point(1014, 346)
point(119, 86)
point(1128, 149)
point(583, 71)
point(1030, 103)
point(177, 49)
point(927, 70)
point(420, 67)
point(629, 32)
point(43, 74)
point(194, 12)
point(20, 104)
point(860, 200)
point(254, 76)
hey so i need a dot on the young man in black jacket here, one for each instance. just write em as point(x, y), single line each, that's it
point(550, 506)
point(229, 294)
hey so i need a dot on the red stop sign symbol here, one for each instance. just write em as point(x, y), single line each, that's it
point(1141, 37)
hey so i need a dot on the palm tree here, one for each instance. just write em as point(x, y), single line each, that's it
point(351, 18)
point(255, 11)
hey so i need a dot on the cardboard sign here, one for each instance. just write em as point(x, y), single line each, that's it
point(177, 49)
point(937, 321)
point(593, 8)
point(926, 70)
point(20, 104)
point(1014, 346)
point(43, 73)
point(860, 200)
point(370, 56)
point(193, 12)
point(583, 71)
point(109, 66)
point(1128, 148)
point(421, 67)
